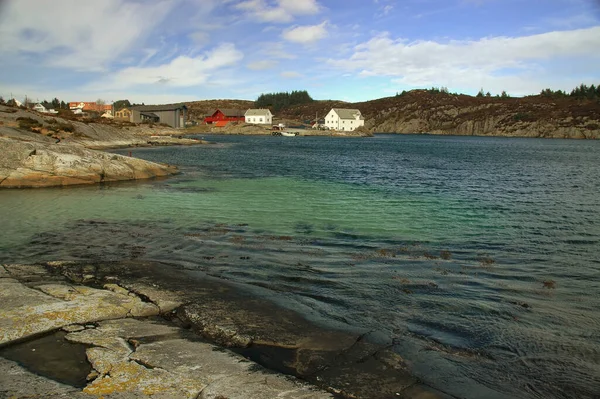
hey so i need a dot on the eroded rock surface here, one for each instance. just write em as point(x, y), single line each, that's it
point(42, 164)
point(359, 365)
point(131, 358)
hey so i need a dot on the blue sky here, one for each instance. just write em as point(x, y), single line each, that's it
point(158, 51)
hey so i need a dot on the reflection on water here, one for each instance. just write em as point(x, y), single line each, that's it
point(475, 257)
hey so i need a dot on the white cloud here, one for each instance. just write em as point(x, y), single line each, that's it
point(291, 75)
point(182, 71)
point(262, 65)
point(200, 38)
point(306, 34)
point(385, 10)
point(74, 34)
point(512, 61)
point(280, 11)
point(277, 50)
point(39, 93)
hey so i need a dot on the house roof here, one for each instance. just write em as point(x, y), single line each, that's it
point(149, 114)
point(230, 112)
point(348, 113)
point(258, 112)
point(162, 107)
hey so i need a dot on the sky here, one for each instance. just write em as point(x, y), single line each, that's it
point(165, 51)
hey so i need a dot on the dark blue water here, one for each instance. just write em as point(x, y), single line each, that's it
point(477, 258)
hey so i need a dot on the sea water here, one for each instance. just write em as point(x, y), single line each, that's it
point(476, 258)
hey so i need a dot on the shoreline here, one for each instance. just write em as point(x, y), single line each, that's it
point(219, 313)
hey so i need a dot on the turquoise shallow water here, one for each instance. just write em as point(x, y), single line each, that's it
point(476, 258)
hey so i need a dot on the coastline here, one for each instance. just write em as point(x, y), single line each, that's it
point(158, 311)
point(42, 151)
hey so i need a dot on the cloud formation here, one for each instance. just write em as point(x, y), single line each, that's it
point(306, 34)
point(468, 62)
point(262, 65)
point(291, 75)
point(182, 71)
point(280, 11)
point(87, 38)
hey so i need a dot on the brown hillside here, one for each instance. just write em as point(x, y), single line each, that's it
point(420, 111)
point(197, 110)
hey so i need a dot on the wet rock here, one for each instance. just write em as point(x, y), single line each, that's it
point(73, 328)
point(421, 391)
point(17, 382)
point(224, 332)
point(165, 300)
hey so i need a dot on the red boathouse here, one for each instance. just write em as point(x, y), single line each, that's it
point(225, 115)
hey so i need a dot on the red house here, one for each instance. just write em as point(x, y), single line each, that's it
point(225, 115)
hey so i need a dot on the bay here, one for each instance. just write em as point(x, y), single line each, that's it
point(476, 258)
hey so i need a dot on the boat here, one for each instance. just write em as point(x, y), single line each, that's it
point(288, 134)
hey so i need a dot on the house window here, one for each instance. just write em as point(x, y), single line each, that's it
point(260, 120)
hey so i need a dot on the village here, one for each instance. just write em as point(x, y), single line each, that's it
point(226, 120)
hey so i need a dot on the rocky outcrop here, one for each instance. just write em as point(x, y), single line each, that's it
point(351, 365)
point(484, 120)
point(43, 164)
point(423, 111)
point(131, 355)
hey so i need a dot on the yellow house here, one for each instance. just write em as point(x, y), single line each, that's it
point(124, 113)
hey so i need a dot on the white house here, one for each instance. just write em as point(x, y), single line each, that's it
point(40, 108)
point(259, 116)
point(344, 119)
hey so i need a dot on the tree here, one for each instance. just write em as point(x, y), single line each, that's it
point(488, 94)
point(480, 94)
point(64, 105)
point(504, 94)
point(120, 104)
point(2, 100)
point(278, 101)
point(27, 103)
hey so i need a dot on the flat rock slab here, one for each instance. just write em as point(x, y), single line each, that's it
point(26, 311)
point(147, 357)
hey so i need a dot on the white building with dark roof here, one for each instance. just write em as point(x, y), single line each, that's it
point(258, 116)
point(344, 119)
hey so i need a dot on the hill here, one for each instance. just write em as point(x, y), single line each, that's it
point(197, 110)
point(421, 111)
point(425, 111)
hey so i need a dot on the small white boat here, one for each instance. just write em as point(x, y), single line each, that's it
point(288, 134)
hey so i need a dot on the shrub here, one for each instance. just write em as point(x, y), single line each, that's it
point(28, 123)
point(523, 116)
point(592, 126)
point(66, 127)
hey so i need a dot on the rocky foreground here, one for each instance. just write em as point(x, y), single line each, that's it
point(44, 151)
point(136, 330)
